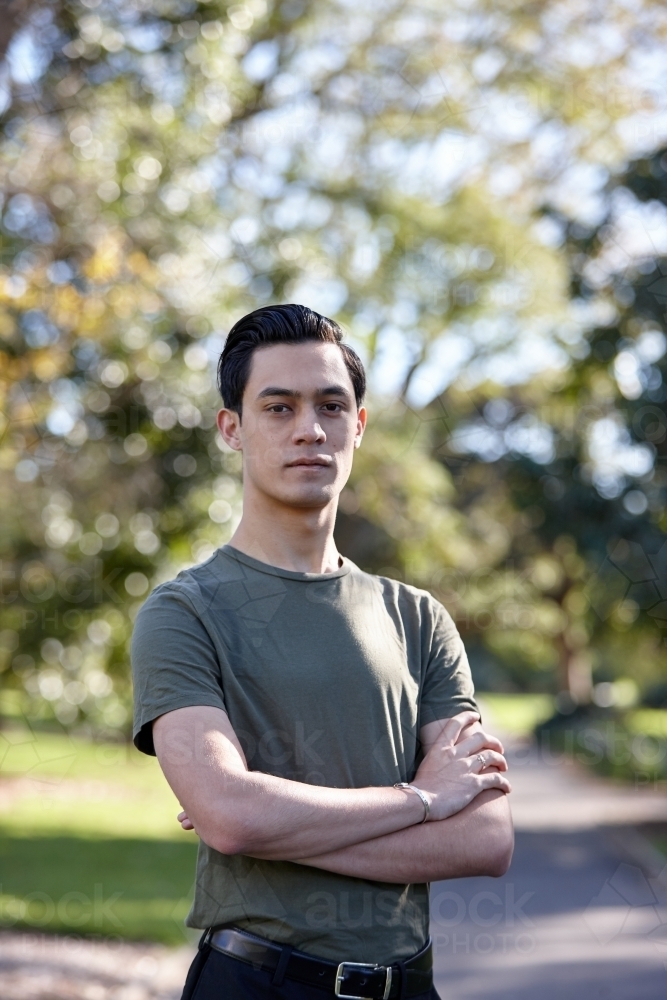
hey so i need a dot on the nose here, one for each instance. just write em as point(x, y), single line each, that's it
point(309, 431)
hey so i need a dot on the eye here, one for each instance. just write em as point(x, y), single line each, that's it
point(278, 408)
point(333, 407)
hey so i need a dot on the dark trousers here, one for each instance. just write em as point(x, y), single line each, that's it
point(214, 976)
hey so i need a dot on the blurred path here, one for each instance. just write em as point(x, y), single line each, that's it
point(44, 967)
point(581, 914)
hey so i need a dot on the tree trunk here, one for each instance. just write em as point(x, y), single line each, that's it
point(574, 672)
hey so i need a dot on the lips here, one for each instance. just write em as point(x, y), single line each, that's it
point(309, 463)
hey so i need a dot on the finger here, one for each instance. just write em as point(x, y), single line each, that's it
point(480, 761)
point(494, 779)
point(475, 743)
point(470, 730)
point(453, 727)
point(493, 742)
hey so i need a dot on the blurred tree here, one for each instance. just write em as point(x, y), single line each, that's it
point(170, 164)
point(578, 459)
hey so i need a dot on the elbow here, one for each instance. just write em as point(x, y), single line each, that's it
point(499, 856)
point(495, 834)
point(224, 842)
point(226, 836)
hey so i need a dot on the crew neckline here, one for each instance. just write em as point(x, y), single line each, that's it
point(288, 574)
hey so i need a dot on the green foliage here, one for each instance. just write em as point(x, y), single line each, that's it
point(170, 164)
point(573, 463)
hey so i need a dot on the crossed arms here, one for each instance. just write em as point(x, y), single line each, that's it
point(371, 833)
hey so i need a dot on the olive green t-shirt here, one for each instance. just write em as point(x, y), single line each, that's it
point(326, 679)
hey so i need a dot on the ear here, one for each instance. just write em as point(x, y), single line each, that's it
point(229, 425)
point(361, 425)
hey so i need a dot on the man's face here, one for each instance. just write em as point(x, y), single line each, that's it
point(300, 423)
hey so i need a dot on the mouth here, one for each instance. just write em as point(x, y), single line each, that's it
point(310, 463)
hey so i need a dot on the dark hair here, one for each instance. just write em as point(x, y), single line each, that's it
point(289, 324)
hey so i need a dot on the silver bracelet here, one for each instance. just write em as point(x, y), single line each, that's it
point(413, 788)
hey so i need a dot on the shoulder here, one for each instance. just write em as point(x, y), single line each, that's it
point(407, 598)
point(193, 589)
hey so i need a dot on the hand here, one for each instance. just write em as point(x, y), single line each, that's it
point(184, 820)
point(458, 766)
point(476, 727)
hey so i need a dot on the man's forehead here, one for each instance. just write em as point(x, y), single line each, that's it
point(305, 367)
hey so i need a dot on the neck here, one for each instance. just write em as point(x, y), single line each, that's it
point(294, 538)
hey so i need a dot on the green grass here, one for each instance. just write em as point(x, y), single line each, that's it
point(130, 888)
point(26, 751)
point(518, 714)
point(648, 722)
point(64, 784)
point(515, 714)
point(89, 843)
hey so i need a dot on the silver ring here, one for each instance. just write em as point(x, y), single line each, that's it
point(480, 758)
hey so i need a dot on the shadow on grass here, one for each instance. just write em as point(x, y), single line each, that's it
point(124, 888)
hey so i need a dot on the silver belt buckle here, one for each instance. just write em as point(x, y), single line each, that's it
point(340, 973)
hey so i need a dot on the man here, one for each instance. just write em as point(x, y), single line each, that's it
point(286, 694)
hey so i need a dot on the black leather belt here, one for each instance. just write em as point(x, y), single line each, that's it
point(347, 980)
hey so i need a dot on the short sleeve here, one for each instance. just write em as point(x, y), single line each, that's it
point(174, 662)
point(447, 688)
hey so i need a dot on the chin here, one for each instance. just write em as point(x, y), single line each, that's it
point(315, 499)
point(312, 496)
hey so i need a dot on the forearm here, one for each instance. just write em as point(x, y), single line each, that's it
point(476, 841)
point(284, 820)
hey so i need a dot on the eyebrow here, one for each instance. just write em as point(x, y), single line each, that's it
point(328, 390)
